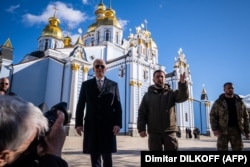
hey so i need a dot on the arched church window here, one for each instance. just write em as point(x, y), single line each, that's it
point(145, 74)
point(122, 71)
point(92, 41)
point(46, 44)
point(107, 33)
point(98, 37)
point(186, 117)
point(117, 37)
point(55, 45)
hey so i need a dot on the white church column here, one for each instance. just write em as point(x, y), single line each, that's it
point(191, 111)
point(85, 74)
point(73, 96)
point(207, 104)
point(132, 127)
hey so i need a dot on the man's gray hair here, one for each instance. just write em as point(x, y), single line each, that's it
point(18, 118)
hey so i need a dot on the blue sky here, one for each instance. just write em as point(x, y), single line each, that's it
point(213, 34)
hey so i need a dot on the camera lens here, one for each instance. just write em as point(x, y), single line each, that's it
point(51, 115)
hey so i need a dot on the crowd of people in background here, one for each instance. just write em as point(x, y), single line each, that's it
point(196, 133)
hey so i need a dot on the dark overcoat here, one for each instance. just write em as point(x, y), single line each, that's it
point(103, 111)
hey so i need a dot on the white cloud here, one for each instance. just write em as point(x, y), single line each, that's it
point(79, 30)
point(246, 100)
point(85, 2)
point(12, 9)
point(162, 4)
point(123, 23)
point(64, 12)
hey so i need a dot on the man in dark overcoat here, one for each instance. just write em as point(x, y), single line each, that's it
point(100, 121)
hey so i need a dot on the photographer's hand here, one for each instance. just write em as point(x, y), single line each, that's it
point(55, 139)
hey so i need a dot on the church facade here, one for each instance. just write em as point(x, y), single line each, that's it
point(54, 73)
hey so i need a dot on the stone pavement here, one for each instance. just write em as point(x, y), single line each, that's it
point(129, 148)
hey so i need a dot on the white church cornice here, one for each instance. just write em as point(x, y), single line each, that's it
point(144, 63)
point(79, 61)
point(115, 64)
point(52, 53)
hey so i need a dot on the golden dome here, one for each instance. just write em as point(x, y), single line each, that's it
point(67, 41)
point(100, 11)
point(100, 8)
point(92, 27)
point(110, 13)
point(110, 19)
point(53, 29)
point(104, 17)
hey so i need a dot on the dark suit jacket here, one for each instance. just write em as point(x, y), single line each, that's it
point(103, 112)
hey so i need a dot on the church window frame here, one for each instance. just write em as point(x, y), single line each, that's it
point(46, 45)
point(92, 41)
point(117, 37)
point(98, 37)
point(107, 35)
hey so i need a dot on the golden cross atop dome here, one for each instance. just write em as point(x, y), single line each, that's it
point(55, 10)
point(146, 22)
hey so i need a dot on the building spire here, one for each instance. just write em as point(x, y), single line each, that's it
point(146, 22)
point(204, 93)
point(8, 43)
point(110, 2)
point(55, 11)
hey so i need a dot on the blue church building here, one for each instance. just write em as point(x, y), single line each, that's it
point(54, 72)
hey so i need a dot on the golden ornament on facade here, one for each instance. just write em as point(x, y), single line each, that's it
point(207, 103)
point(132, 83)
point(75, 67)
point(139, 84)
point(85, 69)
point(139, 41)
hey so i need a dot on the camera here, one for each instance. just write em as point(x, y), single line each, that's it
point(30, 157)
point(51, 115)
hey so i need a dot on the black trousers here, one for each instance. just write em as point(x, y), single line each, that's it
point(96, 159)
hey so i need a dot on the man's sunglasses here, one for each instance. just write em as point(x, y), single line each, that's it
point(98, 66)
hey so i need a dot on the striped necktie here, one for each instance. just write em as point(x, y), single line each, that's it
point(99, 84)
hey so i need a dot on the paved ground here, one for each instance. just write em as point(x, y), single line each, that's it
point(129, 148)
